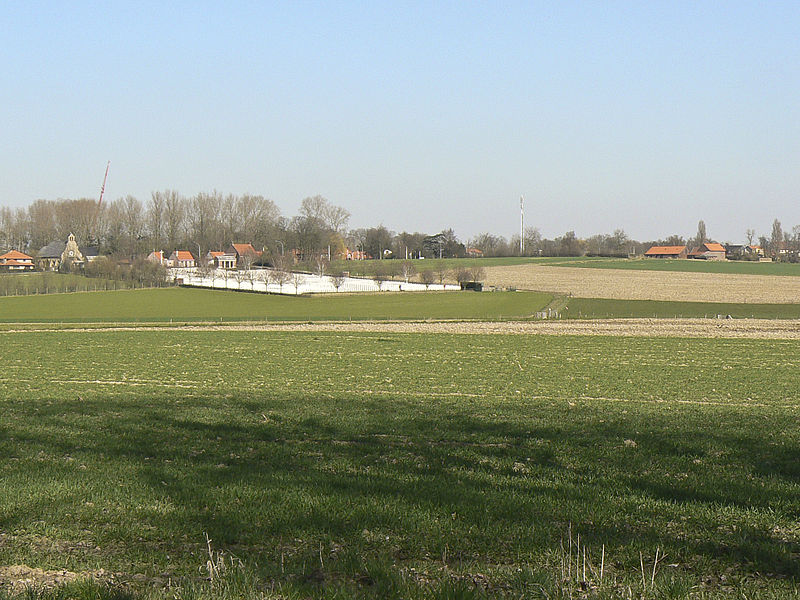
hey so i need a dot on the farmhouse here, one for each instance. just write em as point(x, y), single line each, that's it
point(739, 251)
point(182, 259)
point(667, 252)
point(157, 257)
point(245, 254)
point(709, 251)
point(16, 261)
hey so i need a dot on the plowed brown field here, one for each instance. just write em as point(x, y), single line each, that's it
point(647, 285)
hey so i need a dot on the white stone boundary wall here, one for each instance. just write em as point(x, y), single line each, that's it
point(256, 280)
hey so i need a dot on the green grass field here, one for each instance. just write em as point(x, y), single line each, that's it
point(403, 466)
point(190, 305)
point(601, 308)
point(370, 266)
point(46, 282)
point(685, 266)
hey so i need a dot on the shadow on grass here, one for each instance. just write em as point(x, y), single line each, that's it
point(295, 479)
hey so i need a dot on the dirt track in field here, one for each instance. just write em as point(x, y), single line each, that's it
point(690, 328)
point(696, 328)
point(621, 284)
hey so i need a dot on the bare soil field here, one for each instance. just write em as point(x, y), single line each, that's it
point(647, 285)
point(693, 328)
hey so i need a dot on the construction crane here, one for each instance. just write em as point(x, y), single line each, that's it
point(92, 236)
point(103, 187)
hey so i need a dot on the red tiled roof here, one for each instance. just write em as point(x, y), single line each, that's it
point(665, 250)
point(183, 255)
point(13, 254)
point(13, 262)
point(707, 247)
point(242, 249)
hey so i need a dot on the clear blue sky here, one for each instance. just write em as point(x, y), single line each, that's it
point(640, 115)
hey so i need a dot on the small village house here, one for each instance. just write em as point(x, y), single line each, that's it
point(182, 259)
point(14, 261)
point(245, 255)
point(157, 257)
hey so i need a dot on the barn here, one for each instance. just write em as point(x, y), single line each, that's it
point(708, 251)
point(667, 252)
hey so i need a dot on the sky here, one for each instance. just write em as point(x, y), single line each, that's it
point(644, 116)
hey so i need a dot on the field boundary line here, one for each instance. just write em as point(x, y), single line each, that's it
point(635, 327)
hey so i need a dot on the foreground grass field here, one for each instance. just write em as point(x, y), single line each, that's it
point(377, 465)
point(192, 304)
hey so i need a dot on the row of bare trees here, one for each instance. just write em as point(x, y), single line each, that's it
point(168, 221)
point(128, 227)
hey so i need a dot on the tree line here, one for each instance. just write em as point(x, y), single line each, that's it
point(130, 228)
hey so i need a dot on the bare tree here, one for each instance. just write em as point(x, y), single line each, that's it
point(427, 277)
point(327, 215)
point(337, 279)
point(776, 241)
point(701, 234)
point(155, 219)
point(133, 223)
point(296, 279)
point(204, 272)
point(379, 274)
point(174, 217)
point(241, 276)
point(213, 274)
point(280, 273)
point(392, 269)
point(407, 268)
point(750, 234)
point(204, 210)
point(441, 272)
point(261, 276)
point(251, 276)
point(462, 275)
point(322, 264)
point(477, 273)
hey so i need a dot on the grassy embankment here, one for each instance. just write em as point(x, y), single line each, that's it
point(24, 284)
point(374, 465)
point(192, 305)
